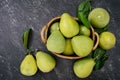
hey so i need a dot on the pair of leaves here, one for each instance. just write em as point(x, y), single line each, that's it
point(83, 11)
point(100, 57)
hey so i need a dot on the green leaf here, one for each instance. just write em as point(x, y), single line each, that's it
point(25, 37)
point(100, 30)
point(84, 7)
point(100, 57)
point(82, 18)
point(81, 6)
point(100, 62)
point(83, 11)
point(98, 53)
point(105, 58)
point(97, 65)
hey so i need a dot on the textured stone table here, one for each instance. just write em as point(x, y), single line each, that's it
point(17, 15)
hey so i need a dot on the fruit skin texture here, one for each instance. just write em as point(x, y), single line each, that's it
point(84, 31)
point(28, 66)
point(99, 17)
point(54, 27)
point(82, 45)
point(68, 48)
point(56, 42)
point(83, 67)
point(107, 40)
point(45, 62)
point(68, 25)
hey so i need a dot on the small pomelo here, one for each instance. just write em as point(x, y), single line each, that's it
point(54, 27)
point(45, 61)
point(99, 17)
point(68, 48)
point(69, 27)
point(56, 42)
point(82, 45)
point(84, 30)
point(83, 67)
point(107, 40)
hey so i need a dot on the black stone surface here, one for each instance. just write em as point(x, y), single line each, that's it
point(17, 15)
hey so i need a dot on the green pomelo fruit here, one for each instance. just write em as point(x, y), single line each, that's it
point(28, 66)
point(68, 25)
point(54, 27)
point(56, 42)
point(45, 62)
point(68, 48)
point(82, 45)
point(107, 40)
point(84, 30)
point(83, 67)
point(99, 17)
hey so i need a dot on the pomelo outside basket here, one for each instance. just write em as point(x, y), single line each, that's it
point(45, 34)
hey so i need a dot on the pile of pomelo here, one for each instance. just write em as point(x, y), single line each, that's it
point(71, 37)
point(68, 37)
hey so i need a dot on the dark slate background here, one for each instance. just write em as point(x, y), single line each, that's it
point(17, 15)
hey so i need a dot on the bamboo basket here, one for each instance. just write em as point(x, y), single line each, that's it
point(44, 33)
